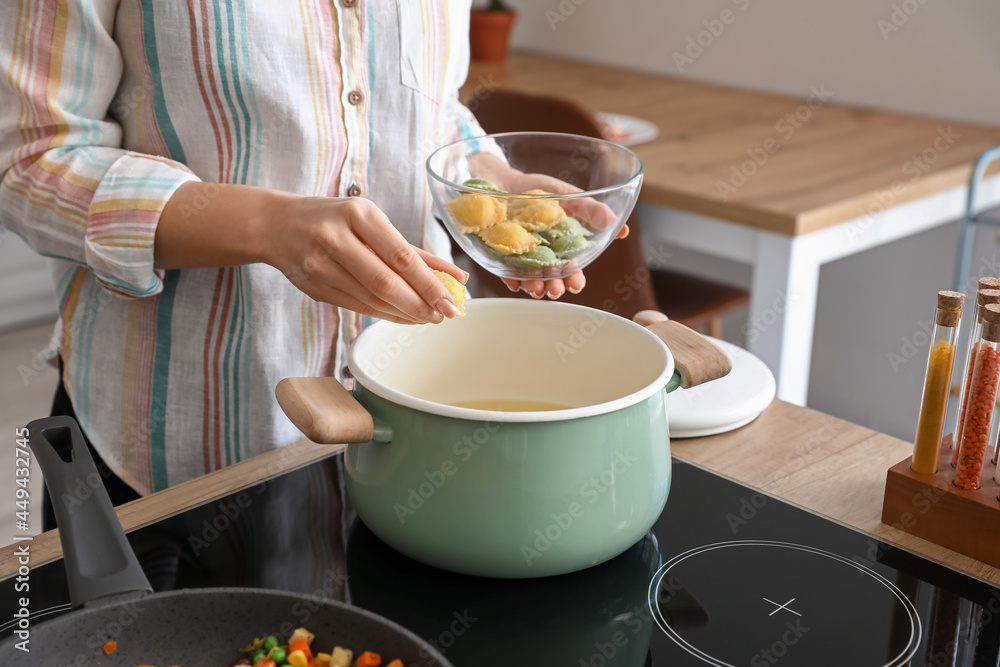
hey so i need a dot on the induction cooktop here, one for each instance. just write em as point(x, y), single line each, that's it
point(727, 577)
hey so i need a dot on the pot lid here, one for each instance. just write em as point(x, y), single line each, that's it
point(724, 404)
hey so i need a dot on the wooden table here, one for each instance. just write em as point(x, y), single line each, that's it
point(811, 460)
point(781, 183)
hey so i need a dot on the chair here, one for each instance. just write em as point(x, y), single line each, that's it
point(618, 280)
point(972, 218)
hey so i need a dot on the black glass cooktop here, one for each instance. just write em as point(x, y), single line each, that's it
point(726, 577)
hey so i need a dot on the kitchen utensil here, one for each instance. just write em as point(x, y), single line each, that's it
point(514, 493)
point(608, 176)
point(188, 628)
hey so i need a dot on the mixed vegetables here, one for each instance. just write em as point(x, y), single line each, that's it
point(270, 652)
point(297, 652)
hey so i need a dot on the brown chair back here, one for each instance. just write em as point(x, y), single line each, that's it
point(617, 281)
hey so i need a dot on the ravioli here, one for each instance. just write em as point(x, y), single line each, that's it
point(474, 212)
point(508, 238)
point(457, 290)
point(482, 184)
point(533, 213)
point(567, 227)
point(537, 258)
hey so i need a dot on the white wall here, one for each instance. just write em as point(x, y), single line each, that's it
point(943, 61)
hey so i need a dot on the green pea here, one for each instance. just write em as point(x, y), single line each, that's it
point(270, 642)
point(279, 656)
point(257, 656)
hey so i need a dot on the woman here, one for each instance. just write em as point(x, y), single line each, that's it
point(227, 192)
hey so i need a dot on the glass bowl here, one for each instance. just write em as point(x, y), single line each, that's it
point(534, 205)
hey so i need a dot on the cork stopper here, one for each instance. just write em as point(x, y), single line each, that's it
point(987, 296)
point(991, 322)
point(949, 308)
point(989, 283)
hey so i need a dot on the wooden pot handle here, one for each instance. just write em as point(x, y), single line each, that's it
point(324, 411)
point(696, 358)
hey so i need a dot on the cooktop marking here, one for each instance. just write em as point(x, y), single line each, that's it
point(911, 611)
point(781, 607)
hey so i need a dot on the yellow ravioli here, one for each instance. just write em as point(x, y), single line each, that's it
point(474, 212)
point(535, 215)
point(509, 238)
point(457, 290)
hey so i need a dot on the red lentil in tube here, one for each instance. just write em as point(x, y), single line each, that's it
point(984, 297)
point(980, 428)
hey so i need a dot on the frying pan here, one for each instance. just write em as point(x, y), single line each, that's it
point(113, 600)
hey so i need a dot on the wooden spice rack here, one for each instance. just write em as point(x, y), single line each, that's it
point(932, 507)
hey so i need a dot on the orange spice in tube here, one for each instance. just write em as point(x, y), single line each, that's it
point(937, 383)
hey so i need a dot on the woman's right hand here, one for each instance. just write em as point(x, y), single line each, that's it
point(345, 251)
point(342, 251)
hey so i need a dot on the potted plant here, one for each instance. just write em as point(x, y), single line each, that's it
point(489, 31)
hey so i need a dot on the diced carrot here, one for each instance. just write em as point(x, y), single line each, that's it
point(301, 645)
point(110, 648)
point(266, 662)
point(369, 659)
point(395, 663)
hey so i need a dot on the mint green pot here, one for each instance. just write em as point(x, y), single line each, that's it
point(512, 494)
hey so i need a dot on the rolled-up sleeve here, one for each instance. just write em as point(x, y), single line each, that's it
point(68, 188)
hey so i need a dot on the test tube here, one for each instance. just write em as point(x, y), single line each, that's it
point(937, 383)
point(980, 428)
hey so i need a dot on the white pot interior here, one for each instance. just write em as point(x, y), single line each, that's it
point(513, 349)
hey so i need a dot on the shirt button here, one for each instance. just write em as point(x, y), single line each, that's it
point(354, 191)
point(355, 97)
point(350, 3)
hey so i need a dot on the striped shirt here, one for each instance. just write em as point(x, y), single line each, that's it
point(108, 106)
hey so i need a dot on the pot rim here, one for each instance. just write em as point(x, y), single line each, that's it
point(379, 389)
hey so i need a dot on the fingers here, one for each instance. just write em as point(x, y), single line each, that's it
point(623, 233)
point(439, 264)
point(575, 282)
point(395, 271)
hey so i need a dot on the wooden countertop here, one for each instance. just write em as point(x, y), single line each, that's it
point(828, 166)
point(819, 463)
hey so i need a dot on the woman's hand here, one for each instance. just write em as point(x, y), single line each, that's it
point(342, 251)
point(596, 213)
point(346, 252)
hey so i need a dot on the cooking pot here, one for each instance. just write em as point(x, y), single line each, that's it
point(113, 601)
point(512, 493)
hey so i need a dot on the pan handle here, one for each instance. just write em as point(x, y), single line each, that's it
point(99, 561)
point(697, 360)
point(327, 413)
